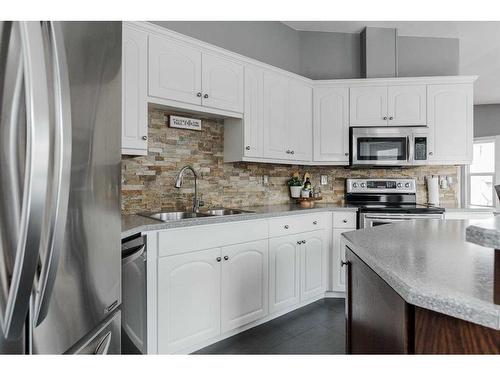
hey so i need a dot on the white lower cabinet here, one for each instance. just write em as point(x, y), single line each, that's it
point(244, 284)
point(284, 272)
point(313, 263)
point(342, 222)
point(189, 297)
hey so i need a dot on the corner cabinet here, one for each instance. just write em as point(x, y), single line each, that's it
point(450, 113)
point(331, 124)
point(134, 91)
point(287, 118)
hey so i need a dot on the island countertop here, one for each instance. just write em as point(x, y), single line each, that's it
point(430, 264)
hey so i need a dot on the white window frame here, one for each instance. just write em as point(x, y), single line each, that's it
point(495, 174)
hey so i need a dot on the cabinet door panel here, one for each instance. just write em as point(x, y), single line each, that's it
point(368, 106)
point(450, 110)
point(254, 112)
point(222, 83)
point(407, 105)
point(245, 284)
point(284, 273)
point(331, 124)
point(134, 91)
point(188, 299)
point(338, 254)
point(313, 265)
point(174, 71)
point(276, 136)
point(300, 120)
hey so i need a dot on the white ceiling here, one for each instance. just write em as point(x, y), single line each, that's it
point(479, 45)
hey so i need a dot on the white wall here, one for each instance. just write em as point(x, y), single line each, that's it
point(486, 120)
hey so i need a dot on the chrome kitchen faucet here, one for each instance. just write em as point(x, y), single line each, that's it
point(178, 183)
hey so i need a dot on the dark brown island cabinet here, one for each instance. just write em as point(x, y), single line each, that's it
point(379, 321)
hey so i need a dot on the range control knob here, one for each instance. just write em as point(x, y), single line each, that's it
point(399, 185)
point(407, 185)
point(355, 185)
point(363, 185)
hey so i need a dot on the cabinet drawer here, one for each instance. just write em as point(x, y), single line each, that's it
point(184, 240)
point(295, 224)
point(344, 219)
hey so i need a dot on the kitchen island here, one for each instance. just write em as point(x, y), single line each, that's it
point(420, 287)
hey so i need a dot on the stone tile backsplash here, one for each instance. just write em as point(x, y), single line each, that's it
point(148, 181)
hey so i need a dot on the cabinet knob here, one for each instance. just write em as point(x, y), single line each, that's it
point(343, 263)
point(292, 152)
point(431, 153)
point(391, 118)
point(286, 226)
point(304, 241)
point(385, 117)
point(315, 222)
point(346, 154)
point(226, 257)
point(205, 96)
point(299, 242)
point(247, 148)
point(345, 221)
point(145, 137)
point(288, 151)
point(218, 259)
point(198, 95)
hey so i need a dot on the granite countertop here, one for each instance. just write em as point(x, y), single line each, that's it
point(133, 224)
point(485, 232)
point(430, 264)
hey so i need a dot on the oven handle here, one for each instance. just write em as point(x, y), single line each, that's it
point(410, 149)
point(402, 216)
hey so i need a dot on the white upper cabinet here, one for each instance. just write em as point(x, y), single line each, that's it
point(450, 111)
point(253, 120)
point(244, 285)
point(276, 135)
point(222, 83)
point(186, 74)
point(368, 106)
point(300, 120)
point(188, 299)
point(134, 91)
point(394, 105)
point(331, 124)
point(174, 70)
point(287, 118)
point(407, 105)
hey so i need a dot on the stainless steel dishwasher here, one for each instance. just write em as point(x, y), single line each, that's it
point(134, 273)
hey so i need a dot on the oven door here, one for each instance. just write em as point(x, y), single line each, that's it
point(369, 220)
point(381, 146)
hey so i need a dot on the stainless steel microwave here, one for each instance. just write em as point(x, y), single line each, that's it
point(387, 146)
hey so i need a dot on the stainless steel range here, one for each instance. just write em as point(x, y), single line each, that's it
point(385, 201)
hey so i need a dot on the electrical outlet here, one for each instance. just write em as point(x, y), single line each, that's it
point(265, 180)
point(324, 179)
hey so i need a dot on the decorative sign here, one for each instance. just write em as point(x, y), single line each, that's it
point(185, 123)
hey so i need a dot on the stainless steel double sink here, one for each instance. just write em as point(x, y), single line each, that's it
point(182, 215)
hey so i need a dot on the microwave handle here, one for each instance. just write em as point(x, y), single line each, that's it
point(411, 149)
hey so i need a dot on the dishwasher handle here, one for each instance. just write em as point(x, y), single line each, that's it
point(132, 250)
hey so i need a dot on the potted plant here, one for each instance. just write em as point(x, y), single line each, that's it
point(295, 186)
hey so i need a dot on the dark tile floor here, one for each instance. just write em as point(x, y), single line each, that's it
point(318, 328)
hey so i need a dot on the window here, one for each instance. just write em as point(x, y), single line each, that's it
point(482, 173)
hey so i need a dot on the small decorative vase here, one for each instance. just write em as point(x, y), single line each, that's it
point(295, 191)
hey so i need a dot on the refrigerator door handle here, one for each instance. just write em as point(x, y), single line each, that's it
point(103, 346)
point(56, 219)
point(15, 299)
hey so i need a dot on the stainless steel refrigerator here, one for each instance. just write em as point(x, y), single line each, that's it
point(60, 136)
